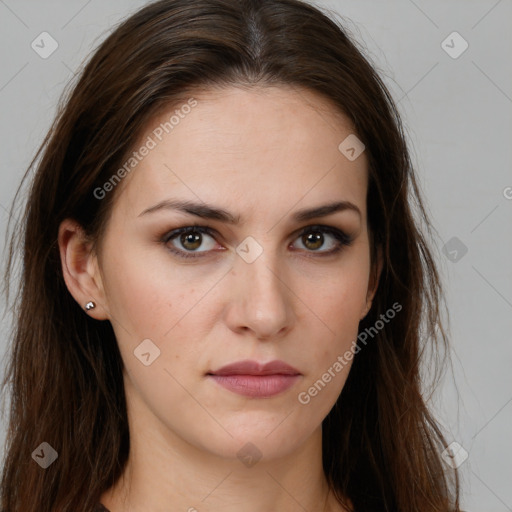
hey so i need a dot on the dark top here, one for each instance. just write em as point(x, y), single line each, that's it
point(100, 508)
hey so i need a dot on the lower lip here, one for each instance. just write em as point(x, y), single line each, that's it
point(258, 386)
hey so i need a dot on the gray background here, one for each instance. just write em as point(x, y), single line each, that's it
point(458, 116)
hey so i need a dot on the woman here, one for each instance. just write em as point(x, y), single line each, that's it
point(225, 294)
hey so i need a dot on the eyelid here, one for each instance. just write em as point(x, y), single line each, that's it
point(191, 227)
point(338, 233)
point(343, 239)
point(199, 228)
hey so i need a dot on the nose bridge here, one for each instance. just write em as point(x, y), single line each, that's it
point(262, 276)
point(263, 300)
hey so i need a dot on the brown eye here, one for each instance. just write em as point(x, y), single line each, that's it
point(313, 240)
point(191, 241)
point(323, 240)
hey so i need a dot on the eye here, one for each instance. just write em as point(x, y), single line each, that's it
point(195, 241)
point(332, 240)
point(188, 240)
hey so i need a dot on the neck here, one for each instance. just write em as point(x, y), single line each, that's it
point(163, 481)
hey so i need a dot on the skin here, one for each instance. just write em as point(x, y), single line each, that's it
point(263, 154)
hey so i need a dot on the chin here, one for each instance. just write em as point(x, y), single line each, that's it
point(254, 441)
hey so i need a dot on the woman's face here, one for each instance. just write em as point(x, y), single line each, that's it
point(254, 281)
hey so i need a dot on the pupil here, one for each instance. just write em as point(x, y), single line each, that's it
point(191, 239)
point(313, 239)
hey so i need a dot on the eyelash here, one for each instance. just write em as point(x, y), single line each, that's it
point(342, 238)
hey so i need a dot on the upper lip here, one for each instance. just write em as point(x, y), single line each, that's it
point(254, 368)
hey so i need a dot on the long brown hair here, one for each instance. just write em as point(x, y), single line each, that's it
point(381, 445)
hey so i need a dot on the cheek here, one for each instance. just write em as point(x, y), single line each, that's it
point(137, 298)
point(338, 299)
point(145, 296)
point(159, 301)
point(163, 390)
point(333, 315)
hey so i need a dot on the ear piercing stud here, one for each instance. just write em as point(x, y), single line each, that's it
point(90, 305)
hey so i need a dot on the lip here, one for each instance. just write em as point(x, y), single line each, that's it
point(249, 367)
point(257, 380)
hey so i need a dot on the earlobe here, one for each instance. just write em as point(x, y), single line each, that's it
point(80, 269)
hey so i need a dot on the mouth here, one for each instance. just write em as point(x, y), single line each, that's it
point(256, 380)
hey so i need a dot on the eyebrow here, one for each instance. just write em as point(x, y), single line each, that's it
point(206, 211)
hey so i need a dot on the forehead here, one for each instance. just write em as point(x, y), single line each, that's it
point(265, 145)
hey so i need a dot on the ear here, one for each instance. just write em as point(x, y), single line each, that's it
point(373, 283)
point(80, 268)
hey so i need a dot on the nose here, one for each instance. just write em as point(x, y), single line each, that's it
point(261, 301)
